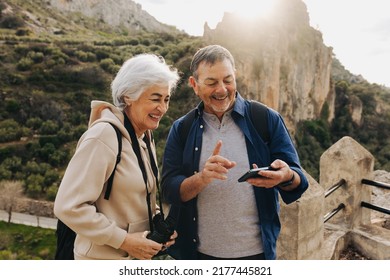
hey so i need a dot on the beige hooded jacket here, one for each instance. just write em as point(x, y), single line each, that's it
point(101, 225)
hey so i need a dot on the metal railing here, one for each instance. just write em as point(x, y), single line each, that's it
point(372, 206)
point(362, 204)
point(335, 187)
point(341, 205)
point(334, 212)
point(376, 184)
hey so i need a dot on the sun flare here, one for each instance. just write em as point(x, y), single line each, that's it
point(249, 9)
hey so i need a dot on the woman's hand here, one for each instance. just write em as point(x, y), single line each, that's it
point(170, 242)
point(140, 247)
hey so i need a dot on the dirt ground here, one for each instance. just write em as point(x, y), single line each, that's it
point(351, 253)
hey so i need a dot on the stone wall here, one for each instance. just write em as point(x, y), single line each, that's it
point(33, 207)
point(302, 225)
point(304, 233)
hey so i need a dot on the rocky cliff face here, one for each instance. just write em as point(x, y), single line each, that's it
point(119, 13)
point(280, 60)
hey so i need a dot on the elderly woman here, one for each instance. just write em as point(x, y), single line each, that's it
point(117, 228)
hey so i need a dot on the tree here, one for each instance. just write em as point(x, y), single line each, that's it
point(10, 191)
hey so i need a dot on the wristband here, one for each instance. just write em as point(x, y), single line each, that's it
point(287, 183)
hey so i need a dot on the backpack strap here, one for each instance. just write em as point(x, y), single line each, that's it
point(118, 159)
point(259, 117)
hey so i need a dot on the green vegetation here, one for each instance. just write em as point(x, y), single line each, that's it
point(20, 242)
point(373, 132)
point(48, 81)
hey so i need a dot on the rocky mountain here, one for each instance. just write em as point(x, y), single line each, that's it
point(125, 14)
point(67, 17)
point(282, 61)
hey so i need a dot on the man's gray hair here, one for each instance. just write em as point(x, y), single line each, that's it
point(210, 55)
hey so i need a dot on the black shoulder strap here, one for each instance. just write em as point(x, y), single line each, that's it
point(153, 163)
point(186, 125)
point(137, 151)
point(118, 159)
point(259, 117)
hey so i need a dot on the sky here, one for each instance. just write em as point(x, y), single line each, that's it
point(357, 30)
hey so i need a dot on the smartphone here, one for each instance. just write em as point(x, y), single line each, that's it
point(253, 173)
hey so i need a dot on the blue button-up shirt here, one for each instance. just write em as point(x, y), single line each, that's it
point(181, 160)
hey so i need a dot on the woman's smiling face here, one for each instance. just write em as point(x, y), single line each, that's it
point(146, 112)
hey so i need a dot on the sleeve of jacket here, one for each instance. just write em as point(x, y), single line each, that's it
point(282, 147)
point(172, 166)
point(82, 185)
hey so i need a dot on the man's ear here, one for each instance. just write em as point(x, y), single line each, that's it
point(192, 81)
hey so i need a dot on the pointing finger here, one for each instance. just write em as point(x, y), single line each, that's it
point(217, 148)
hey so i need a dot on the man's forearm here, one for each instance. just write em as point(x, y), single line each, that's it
point(191, 187)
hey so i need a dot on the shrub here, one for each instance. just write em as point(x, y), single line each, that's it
point(12, 164)
point(24, 64)
point(146, 42)
point(51, 177)
point(102, 54)
point(5, 174)
point(37, 57)
point(85, 56)
point(12, 105)
point(11, 22)
point(51, 192)
point(58, 157)
point(33, 185)
point(109, 66)
point(22, 32)
point(10, 130)
point(133, 42)
point(15, 79)
point(48, 127)
point(159, 42)
point(93, 76)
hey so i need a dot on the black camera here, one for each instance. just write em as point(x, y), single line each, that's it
point(163, 229)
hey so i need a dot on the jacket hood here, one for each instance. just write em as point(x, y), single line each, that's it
point(104, 111)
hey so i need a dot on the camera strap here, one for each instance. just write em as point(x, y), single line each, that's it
point(137, 150)
point(154, 168)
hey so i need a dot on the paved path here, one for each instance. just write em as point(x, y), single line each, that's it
point(29, 220)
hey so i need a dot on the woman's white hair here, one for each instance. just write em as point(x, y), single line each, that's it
point(139, 73)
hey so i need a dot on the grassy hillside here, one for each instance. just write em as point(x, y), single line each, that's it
point(20, 242)
point(52, 66)
point(48, 80)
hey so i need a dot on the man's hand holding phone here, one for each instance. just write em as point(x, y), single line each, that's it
point(277, 174)
point(254, 173)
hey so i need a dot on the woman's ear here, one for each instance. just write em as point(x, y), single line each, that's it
point(127, 101)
